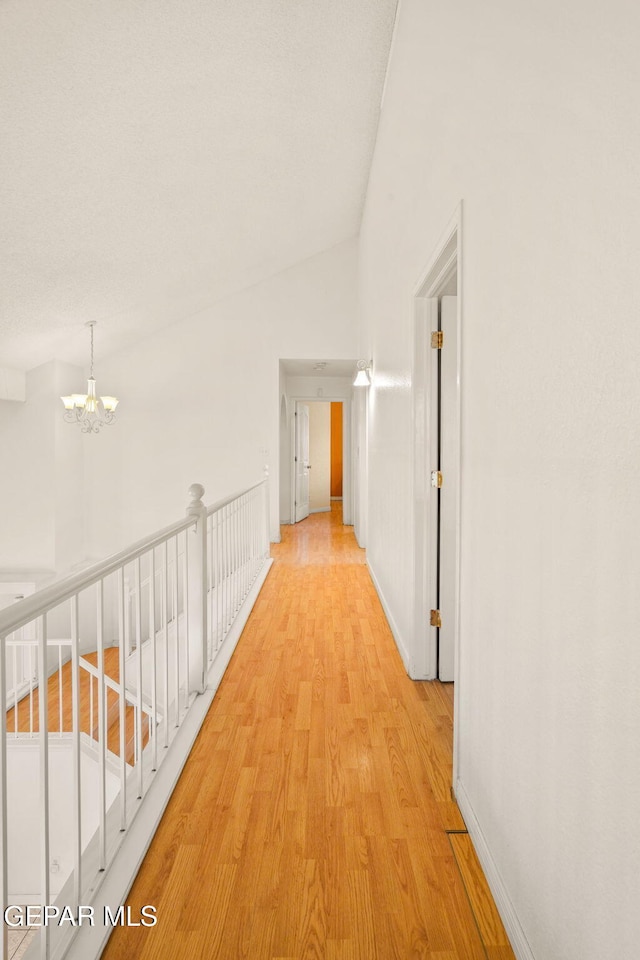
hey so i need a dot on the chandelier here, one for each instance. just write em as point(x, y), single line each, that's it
point(86, 409)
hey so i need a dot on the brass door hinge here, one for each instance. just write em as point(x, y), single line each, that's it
point(436, 478)
point(437, 338)
point(436, 620)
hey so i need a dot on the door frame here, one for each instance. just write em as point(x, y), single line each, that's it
point(347, 471)
point(360, 461)
point(441, 266)
point(294, 461)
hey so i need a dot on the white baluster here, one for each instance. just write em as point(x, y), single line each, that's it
point(102, 727)
point(238, 554)
point(185, 615)
point(138, 625)
point(267, 525)
point(196, 590)
point(256, 529)
point(210, 580)
point(122, 702)
point(176, 624)
point(77, 774)
point(223, 572)
point(165, 627)
point(247, 578)
point(91, 724)
point(127, 619)
point(15, 685)
point(154, 662)
point(218, 579)
point(227, 564)
point(60, 688)
point(43, 738)
point(32, 672)
point(236, 561)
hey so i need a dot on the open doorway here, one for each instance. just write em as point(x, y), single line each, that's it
point(437, 384)
point(336, 440)
point(322, 390)
point(318, 456)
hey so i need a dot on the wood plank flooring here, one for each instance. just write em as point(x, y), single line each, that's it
point(311, 820)
point(60, 704)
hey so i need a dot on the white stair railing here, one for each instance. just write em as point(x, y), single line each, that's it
point(155, 618)
point(236, 538)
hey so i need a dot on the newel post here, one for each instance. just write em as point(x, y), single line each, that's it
point(197, 589)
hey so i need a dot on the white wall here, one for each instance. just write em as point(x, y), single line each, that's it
point(71, 446)
point(319, 456)
point(41, 478)
point(13, 384)
point(27, 517)
point(285, 466)
point(24, 813)
point(360, 463)
point(201, 401)
point(524, 112)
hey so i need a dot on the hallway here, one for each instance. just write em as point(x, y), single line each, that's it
point(313, 818)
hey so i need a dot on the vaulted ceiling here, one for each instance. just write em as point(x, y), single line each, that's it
point(160, 154)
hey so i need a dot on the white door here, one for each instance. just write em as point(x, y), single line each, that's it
point(302, 465)
point(447, 494)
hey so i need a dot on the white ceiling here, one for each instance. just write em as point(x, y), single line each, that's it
point(160, 154)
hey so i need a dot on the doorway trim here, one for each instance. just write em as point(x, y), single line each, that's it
point(445, 261)
point(347, 471)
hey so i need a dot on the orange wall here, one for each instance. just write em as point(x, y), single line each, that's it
point(336, 449)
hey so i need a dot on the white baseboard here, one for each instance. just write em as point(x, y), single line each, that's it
point(404, 653)
point(320, 510)
point(508, 915)
point(220, 664)
point(89, 942)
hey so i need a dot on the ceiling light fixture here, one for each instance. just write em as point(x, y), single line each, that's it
point(363, 376)
point(86, 409)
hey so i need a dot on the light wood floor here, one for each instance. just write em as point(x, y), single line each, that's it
point(59, 687)
point(314, 817)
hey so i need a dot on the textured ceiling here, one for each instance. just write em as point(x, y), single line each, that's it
point(160, 154)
